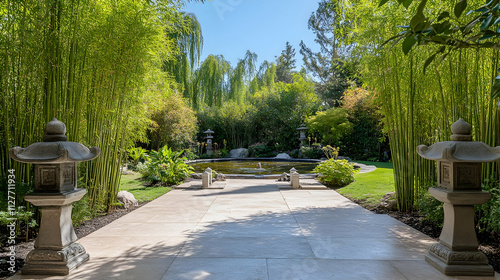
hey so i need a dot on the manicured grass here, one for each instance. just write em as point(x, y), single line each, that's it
point(133, 184)
point(370, 187)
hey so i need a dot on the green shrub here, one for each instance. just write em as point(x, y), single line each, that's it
point(190, 155)
point(24, 219)
point(165, 166)
point(260, 150)
point(295, 153)
point(313, 152)
point(331, 124)
point(488, 214)
point(222, 153)
point(431, 209)
point(136, 154)
point(82, 211)
point(335, 173)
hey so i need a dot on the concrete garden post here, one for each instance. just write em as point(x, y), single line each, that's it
point(459, 188)
point(55, 188)
point(206, 178)
point(294, 178)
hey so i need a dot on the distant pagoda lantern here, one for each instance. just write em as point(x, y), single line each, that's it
point(55, 163)
point(302, 129)
point(209, 138)
point(459, 188)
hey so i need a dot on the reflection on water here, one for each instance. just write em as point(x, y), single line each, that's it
point(252, 167)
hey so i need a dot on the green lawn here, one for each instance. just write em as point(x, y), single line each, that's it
point(370, 187)
point(134, 184)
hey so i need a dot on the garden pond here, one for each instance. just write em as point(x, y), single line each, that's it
point(254, 166)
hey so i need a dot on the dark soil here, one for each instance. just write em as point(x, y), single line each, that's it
point(22, 248)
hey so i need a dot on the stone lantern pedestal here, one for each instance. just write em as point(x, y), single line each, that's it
point(459, 188)
point(55, 160)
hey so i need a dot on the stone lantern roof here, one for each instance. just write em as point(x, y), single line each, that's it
point(55, 148)
point(209, 131)
point(461, 148)
point(302, 127)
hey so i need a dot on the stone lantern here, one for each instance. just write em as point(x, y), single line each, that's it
point(302, 129)
point(55, 178)
point(459, 188)
point(209, 138)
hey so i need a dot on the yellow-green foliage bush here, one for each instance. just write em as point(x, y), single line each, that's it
point(335, 173)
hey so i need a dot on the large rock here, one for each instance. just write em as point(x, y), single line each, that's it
point(127, 199)
point(239, 153)
point(283, 156)
point(389, 201)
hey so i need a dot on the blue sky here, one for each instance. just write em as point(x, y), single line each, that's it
point(231, 27)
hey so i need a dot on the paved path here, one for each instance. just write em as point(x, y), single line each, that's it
point(253, 230)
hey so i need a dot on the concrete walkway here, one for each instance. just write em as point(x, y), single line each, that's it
point(253, 230)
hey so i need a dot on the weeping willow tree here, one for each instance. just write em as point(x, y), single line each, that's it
point(420, 107)
point(241, 77)
point(187, 35)
point(88, 63)
point(265, 78)
point(211, 82)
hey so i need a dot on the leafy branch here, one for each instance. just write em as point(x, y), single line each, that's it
point(479, 32)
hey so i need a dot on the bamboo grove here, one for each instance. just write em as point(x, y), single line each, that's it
point(419, 107)
point(94, 65)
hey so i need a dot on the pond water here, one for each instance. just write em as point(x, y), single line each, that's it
point(251, 167)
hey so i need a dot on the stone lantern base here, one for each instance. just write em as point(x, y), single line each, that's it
point(456, 253)
point(456, 263)
point(56, 252)
point(55, 262)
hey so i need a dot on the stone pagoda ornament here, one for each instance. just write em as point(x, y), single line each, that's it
point(459, 188)
point(55, 163)
point(302, 139)
point(209, 138)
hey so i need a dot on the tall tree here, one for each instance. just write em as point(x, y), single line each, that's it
point(241, 77)
point(285, 64)
point(186, 35)
point(265, 77)
point(334, 73)
point(211, 84)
